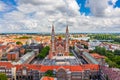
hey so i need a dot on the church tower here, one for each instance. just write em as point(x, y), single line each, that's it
point(52, 49)
point(59, 47)
point(67, 42)
point(53, 39)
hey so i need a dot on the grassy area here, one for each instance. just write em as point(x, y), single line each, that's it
point(24, 37)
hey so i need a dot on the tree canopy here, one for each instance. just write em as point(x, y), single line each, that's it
point(24, 37)
point(49, 73)
point(44, 52)
point(19, 43)
point(106, 37)
point(3, 76)
point(113, 59)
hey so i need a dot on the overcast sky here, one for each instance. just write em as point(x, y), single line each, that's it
point(79, 15)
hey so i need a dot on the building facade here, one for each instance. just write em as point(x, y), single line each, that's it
point(14, 55)
point(35, 72)
point(59, 47)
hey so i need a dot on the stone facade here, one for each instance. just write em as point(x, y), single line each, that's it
point(59, 47)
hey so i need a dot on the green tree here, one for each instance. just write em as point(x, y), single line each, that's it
point(117, 59)
point(111, 63)
point(19, 43)
point(117, 52)
point(106, 37)
point(44, 52)
point(71, 54)
point(3, 76)
point(111, 58)
point(110, 55)
point(24, 37)
point(49, 73)
point(100, 50)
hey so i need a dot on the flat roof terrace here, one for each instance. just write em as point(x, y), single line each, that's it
point(61, 60)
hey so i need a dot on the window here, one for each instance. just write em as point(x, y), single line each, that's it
point(24, 72)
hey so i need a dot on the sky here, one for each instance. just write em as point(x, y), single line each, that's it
point(39, 15)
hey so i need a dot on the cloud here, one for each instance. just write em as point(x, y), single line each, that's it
point(97, 7)
point(102, 8)
point(112, 12)
point(39, 15)
point(2, 6)
point(36, 16)
point(113, 1)
point(6, 6)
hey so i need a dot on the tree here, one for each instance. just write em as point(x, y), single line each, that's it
point(110, 55)
point(3, 76)
point(71, 54)
point(19, 43)
point(107, 37)
point(100, 50)
point(85, 46)
point(112, 59)
point(117, 52)
point(111, 63)
point(49, 73)
point(44, 52)
point(24, 37)
point(117, 59)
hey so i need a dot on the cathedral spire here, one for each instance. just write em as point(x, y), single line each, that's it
point(53, 32)
point(67, 31)
point(52, 28)
point(53, 38)
point(67, 39)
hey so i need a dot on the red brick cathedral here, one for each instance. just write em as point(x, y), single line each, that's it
point(59, 47)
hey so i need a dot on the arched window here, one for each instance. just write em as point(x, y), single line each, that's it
point(61, 74)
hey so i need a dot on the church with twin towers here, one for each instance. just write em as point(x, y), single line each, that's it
point(59, 47)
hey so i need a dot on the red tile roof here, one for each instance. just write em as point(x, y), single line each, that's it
point(71, 68)
point(97, 56)
point(44, 68)
point(47, 78)
point(3, 47)
point(6, 64)
point(28, 66)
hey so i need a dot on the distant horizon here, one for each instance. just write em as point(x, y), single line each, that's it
point(87, 32)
